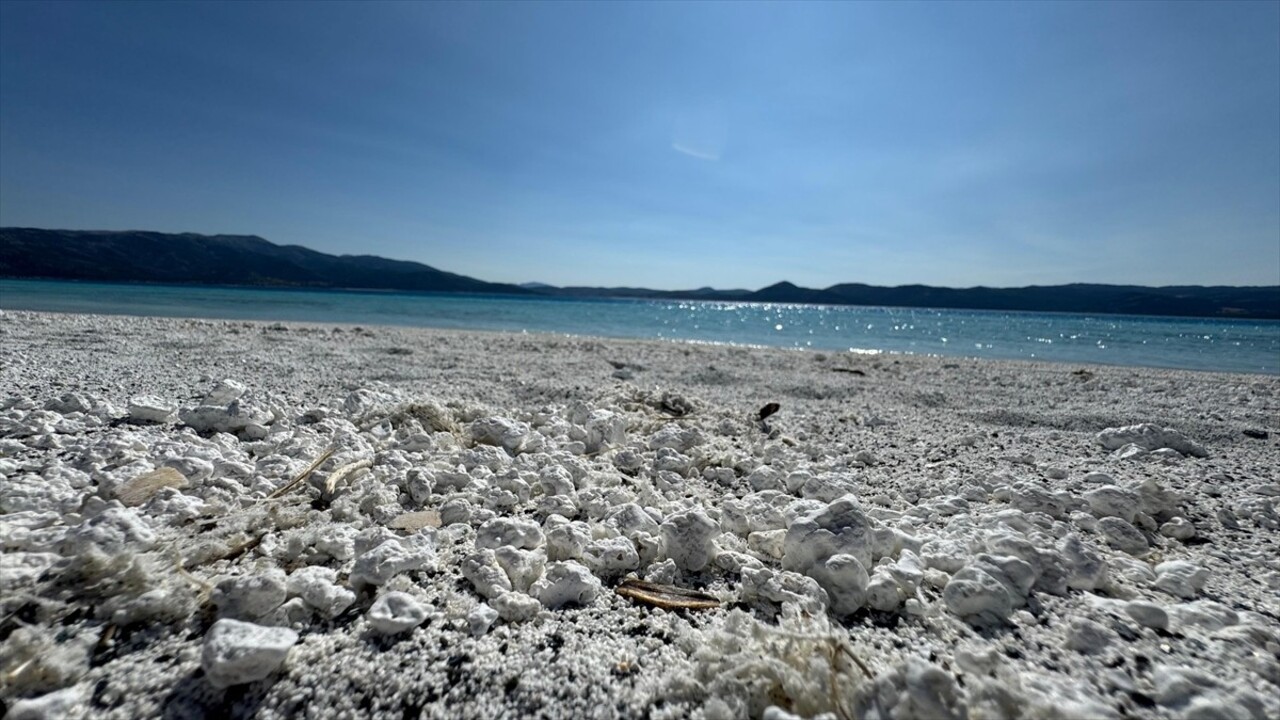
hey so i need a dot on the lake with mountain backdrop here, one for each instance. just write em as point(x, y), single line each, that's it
point(1233, 345)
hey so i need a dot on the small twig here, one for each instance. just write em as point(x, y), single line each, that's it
point(341, 474)
point(302, 476)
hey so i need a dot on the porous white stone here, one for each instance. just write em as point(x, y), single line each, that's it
point(318, 587)
point(1123, 536)
point(1181, 578)
point(845, 580)
point(828, 487)
point(841, 528)
point(480, 619)
point(392, 557)
point(510, 435)
point(1178, 528)
point(784, 588)
point(604, 428)
point(114, 529)
point(689, 538)
point(482, 570)
point(1111, 501)
point(977, 597)
point(568, 541)
point(1087, 637)
point(523, 567)
point(224, 393)
point(249, 597)
point(516, 607)
point(61, 704)
point(566, 583)
point(610, 557)
point(395, 612)
point(1149, 436)
point(1086, 568)
point(517, 532)
point(151, 409)
point(238, 652)
point(883, 591)
point(1147, 614)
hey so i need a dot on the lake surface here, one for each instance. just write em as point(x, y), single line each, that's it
point(1250, 346)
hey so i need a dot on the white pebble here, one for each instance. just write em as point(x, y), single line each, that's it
point(238, 652)
point(395, 612)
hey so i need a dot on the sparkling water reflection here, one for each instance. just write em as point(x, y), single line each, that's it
point(1188, 343)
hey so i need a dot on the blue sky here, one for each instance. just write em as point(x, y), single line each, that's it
point(666, 145)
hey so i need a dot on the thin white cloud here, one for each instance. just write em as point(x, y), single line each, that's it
point(711, 155)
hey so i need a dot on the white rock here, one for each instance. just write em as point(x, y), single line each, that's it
point(828, 487)
point(883, 592)
point(1032, 499)
point(977, 597)
point(61, 704)
point(523, 567)
point(784, 588)
point(113, 530)
point(392, 557)
point(1086, 569)
point(611, 556)
point(555, 480)
point(568, 542)
point(1178, 528)
point(1147, 614)
point(480, 619)
point(676, 438)
point(516, 607)
point(238, 652)
point(509, 435)
point(1087, 637)
point(1181, 578)
point(151, 409)
point(1149, 436)
point(689, 537)
point(566, 583)
point(481, 569)
point(841, 528)
point(249, 597)
point(224, 393)
point(845, 580)
point(1111, 501)
point(395, 612)
point(516, 532)
point(604, 429)
point(629, 519)
point(318, 587)
point(1123, 536)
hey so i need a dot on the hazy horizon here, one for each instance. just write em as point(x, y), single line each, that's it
point(668, 146)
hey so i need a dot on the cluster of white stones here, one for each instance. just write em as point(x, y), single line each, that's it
point(157, 509)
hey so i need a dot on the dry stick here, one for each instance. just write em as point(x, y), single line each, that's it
point(304, 474)
point(341, 474)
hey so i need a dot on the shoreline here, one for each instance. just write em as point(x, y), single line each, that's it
point(857, 351)
point(1004, 549)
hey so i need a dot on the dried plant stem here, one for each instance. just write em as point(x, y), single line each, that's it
point(302, 476)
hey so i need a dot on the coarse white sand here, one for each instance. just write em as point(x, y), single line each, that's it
point(906, 537)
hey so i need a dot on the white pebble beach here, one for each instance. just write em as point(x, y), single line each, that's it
point(241, 519)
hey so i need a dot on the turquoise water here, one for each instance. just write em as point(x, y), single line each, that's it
point(1251, 346)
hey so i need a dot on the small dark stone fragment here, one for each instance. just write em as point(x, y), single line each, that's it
point(1257, 434)
point(851, 371)
point(769, 409)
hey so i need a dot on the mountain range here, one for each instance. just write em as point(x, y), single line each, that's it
point(248, 260)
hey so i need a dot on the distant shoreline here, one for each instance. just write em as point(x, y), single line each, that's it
point(137, 257)
point(621, 298)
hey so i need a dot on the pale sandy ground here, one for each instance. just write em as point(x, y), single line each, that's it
point(945, 486)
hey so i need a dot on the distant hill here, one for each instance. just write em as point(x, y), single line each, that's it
point(151, 257)
point(250, 260)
